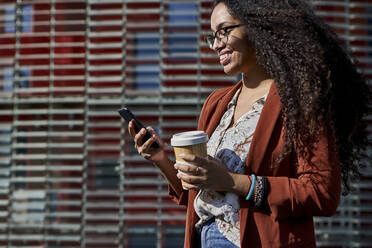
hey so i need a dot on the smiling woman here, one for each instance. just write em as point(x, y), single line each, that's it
point(280, 140)
point(230, 42)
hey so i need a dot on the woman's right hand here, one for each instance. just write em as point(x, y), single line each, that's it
point(155, 155)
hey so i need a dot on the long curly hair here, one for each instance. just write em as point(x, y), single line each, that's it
point(318, 84)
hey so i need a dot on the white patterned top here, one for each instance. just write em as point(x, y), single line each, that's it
point(230, 146)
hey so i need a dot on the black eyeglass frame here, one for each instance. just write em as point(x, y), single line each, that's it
point(210, 38)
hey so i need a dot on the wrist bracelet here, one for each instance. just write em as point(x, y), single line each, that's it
point(250, 182)
point(259, 194)
point(251, 189)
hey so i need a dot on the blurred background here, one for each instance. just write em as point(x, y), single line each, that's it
point(69, 175)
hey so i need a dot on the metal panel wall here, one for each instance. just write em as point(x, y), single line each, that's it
point(69, 176)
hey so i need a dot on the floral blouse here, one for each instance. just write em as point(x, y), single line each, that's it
point(230, 146)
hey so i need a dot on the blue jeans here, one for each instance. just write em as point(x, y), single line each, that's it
point(212, 238)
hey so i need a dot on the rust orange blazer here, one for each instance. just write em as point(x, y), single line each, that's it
point(297, 191)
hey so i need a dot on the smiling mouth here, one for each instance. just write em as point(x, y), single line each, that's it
point(225, 59)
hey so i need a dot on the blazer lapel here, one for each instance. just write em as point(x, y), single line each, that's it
point(265, 126)
point(264, 130)
point(220, 109)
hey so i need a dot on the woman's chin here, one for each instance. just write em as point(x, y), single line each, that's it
point(230, 71)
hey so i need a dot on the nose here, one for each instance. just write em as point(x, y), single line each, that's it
point(217, 44)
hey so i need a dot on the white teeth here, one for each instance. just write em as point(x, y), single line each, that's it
point(223, 56)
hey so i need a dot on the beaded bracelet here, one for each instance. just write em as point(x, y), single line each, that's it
point(259, 194)
point(251, 189)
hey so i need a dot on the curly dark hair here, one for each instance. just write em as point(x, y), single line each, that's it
point(319, 87)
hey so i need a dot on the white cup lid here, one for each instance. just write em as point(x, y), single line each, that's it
point(189, 138)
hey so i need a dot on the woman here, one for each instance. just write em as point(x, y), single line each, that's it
point(280, 140)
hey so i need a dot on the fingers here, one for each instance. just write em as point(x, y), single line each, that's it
point(192, 176)
point(190, 169)
point(203, 173)
point(134, 134)
point(157, 138)
point(138, 138)
point(194, 165)
point(152, 131)
point(131, 130)
point(191, 181)
point(191, 158)
point(188, 186)
point(147, 145)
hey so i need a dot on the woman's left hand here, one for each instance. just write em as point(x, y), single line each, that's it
point(205, 173)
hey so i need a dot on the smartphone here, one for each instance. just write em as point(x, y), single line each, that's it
point(128, 116)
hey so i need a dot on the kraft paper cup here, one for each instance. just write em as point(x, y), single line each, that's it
point(192, 142)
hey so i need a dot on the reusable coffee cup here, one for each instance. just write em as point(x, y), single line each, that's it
point(192, 142)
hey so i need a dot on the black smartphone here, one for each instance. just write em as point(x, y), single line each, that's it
point(128, 116)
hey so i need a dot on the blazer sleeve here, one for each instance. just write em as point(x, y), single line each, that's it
point(180, 200)
point(314, 191)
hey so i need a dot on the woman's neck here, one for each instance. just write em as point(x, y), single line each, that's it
point(258, 80)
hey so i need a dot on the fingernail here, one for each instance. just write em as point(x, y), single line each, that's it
point(181, 155)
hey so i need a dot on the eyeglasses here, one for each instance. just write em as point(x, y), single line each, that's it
point(221, 34)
